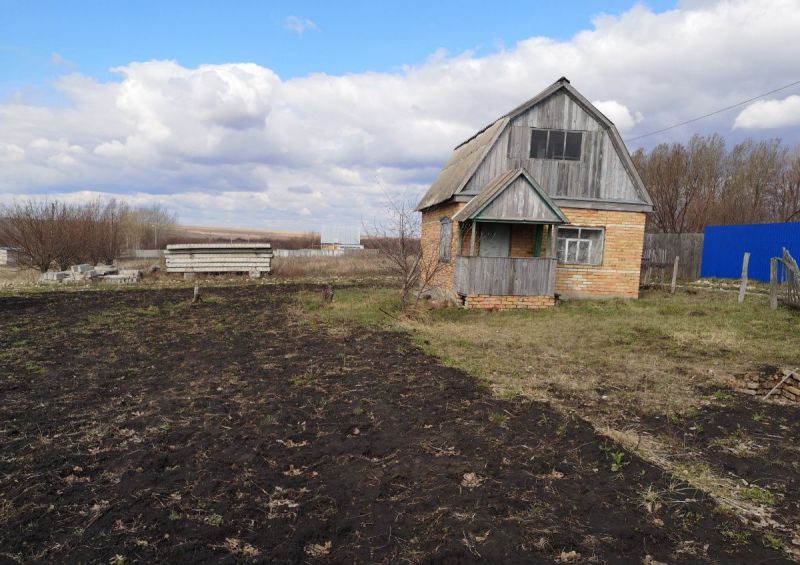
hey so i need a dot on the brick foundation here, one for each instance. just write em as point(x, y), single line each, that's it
point(508, 302)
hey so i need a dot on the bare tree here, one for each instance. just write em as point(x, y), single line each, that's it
point(703, 183)
point(48, 232)
point(29, 227)
point(397, 238)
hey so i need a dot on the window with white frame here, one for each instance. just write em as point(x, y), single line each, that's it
point(445, 239)
point(580, 246)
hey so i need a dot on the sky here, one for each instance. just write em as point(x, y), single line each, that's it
point(291, 115)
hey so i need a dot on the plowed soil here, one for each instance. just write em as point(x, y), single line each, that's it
point(137, 428)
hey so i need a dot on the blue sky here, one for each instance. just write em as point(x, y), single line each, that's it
point(288, 115)
point(350, 37)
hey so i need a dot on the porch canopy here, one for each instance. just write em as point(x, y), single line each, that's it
point(510, 199)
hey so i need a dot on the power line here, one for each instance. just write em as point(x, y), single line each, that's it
point(725, 109)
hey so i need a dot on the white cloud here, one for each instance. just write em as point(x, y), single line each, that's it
point(58, 60)
point(765, 114)
point(299, 25)
point(618, 113)
point(236, 144)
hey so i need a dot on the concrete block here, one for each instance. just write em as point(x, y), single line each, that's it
point(82, 268)
point(106, 270)
point(54, 276)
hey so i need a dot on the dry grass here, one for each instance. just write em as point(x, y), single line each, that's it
point(345, 266)
point(18, 275)
point(660, 352)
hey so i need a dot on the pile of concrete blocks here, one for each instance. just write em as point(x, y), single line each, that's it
point(192, 258)
point(100, 273)
point(124, 276)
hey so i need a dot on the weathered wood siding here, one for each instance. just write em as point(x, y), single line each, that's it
point(519, 202)
point(599, 174)
point(506, 276)
point(660, 250)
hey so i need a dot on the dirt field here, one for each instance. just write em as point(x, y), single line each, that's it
point(138, 429)
point(656, 375)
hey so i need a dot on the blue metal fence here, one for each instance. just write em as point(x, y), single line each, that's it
point(724, 248)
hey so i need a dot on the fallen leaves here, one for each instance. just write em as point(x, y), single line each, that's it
point(471, 480)
point(319, 549)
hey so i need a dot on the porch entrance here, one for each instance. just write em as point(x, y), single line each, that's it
point(495, 240)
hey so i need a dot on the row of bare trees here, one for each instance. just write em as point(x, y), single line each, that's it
point(704, 183)
point(47, 233)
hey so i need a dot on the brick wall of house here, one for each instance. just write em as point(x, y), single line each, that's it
point(429, 240)
point(508, 302)
point(522, 240)
point(618, 275)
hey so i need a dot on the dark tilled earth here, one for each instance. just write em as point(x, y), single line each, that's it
point(754, 442)
point(137, 428)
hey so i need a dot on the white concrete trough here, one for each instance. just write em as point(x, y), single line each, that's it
point(252, 258)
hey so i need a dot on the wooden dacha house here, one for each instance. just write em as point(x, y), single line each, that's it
point(544, 201)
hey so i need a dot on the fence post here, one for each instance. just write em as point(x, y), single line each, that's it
point(674, 274)
point(743, 286)
point(773, 283)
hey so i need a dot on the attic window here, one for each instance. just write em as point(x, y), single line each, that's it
point(556, 144)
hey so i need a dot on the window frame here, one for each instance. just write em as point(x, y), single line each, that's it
point(445, 251)
point(551, 154)
point(578, 241)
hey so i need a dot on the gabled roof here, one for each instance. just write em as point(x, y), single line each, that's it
point(469, 154)
point(548, 211)
point(462, 164)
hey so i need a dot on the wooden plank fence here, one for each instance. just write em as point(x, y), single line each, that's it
point(790, 278)
point(660, 250)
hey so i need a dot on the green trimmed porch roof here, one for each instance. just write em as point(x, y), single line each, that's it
point(513, 196)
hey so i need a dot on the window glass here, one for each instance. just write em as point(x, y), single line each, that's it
point(583, 250)
point(555, 146)
point(538, 143)
point(572, 149)
point(580, 246)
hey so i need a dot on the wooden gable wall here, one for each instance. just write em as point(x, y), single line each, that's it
point(520, 202)
point(600, 173)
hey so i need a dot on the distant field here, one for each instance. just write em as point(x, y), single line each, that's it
point(204, 232)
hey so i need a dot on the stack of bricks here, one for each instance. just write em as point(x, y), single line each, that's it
point(761, 384)
point(508, 302)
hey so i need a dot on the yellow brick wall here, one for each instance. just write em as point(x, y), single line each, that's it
point(429, 240)
point(618, 275)
point(508, 302)
point(522, 240)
